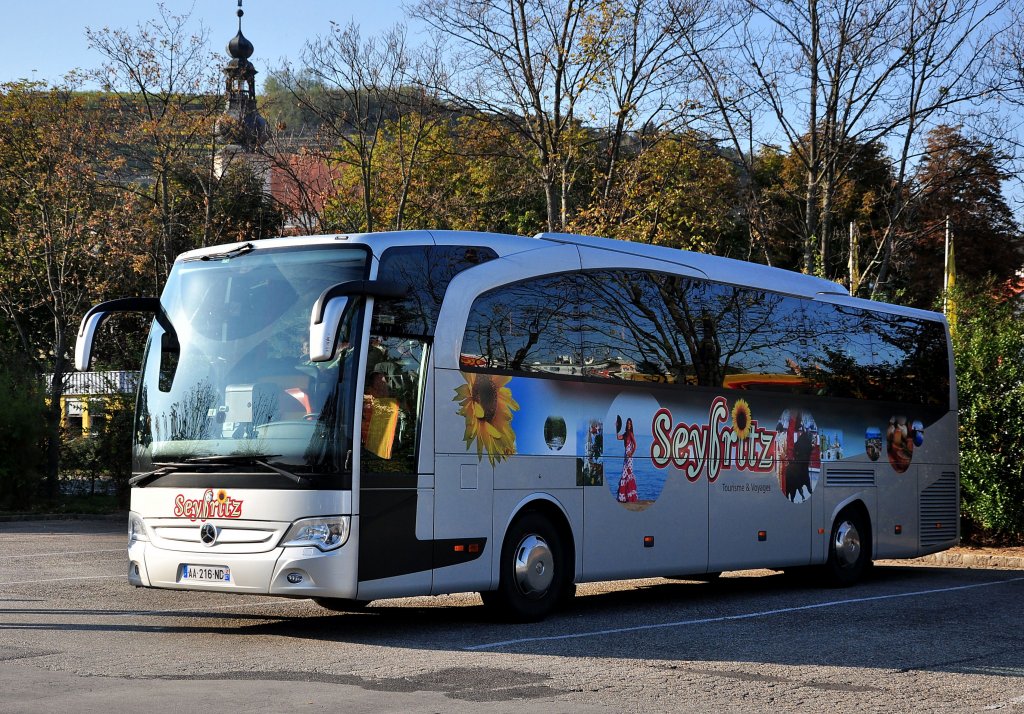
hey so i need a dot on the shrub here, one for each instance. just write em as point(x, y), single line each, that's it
point(21, 437)
point(988, 343)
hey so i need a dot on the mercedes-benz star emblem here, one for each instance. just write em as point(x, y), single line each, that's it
point(208, 533)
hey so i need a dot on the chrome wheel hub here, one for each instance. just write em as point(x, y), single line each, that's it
point(847, 544)
point(534, 566)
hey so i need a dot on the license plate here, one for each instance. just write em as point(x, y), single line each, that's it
point(205, 573)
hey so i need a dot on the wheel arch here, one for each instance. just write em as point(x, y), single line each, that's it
point(551, 508)
point(854, 503)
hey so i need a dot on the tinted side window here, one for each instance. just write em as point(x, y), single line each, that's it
point(880, 356)
point(652, 327)
point(665, 328)
point(912, 360)
point(426, 270)
point(643, 327)
point(763, 338)
point(531, 326)
point(841, 358)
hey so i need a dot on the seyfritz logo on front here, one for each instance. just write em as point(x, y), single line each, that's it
point(209, 506)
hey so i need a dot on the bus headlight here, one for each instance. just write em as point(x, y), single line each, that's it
point(136, 529)
point(326, 533)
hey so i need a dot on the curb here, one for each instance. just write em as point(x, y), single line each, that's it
point(972, 560)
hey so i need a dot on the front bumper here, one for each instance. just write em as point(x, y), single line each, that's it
point(288, 572)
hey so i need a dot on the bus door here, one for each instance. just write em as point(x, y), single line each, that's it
point(395, 514)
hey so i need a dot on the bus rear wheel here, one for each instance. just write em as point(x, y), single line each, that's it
point(534, 577)
point(849, 549)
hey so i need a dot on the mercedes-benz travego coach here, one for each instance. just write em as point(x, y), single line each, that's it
point(355, 417)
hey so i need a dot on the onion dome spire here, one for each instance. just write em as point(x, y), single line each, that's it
point(241, 123)
point(239, 47)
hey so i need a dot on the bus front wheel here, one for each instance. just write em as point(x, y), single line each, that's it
point(849, 549)
point(534, 577)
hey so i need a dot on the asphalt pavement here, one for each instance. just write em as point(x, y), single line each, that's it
point(915, 636)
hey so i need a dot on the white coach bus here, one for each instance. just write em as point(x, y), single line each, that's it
point(357, 417)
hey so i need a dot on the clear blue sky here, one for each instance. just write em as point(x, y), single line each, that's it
point(44, 39)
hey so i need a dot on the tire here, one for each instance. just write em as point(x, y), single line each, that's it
point(338, 604)
point(534, 573)
point(849, 549)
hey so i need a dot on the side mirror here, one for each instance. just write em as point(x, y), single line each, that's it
point(98, 313)
point(86, 335)
point(323, 333)
point(329, 310)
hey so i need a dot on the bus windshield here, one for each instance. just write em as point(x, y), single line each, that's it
point(232, 387)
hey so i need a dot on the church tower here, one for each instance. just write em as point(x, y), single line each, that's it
point(240, 131)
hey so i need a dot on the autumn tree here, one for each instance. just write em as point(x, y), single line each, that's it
point(680, 191)
point(165, 98)
point(61, 229)
point(961, 179)
point(476, 183)
point(529, 67)
point(356, 93)
point(858, 207)
point(465, 181)
point(825, 73)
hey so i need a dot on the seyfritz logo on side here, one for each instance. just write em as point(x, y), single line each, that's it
point(745, 445)
point(209, 506)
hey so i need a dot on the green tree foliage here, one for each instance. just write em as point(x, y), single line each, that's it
point(855, 197)
point(679, 191)
point(988, 344)
point(116, 446)
point(104, 455)
point(21, 431)
point(458, 176)
point(961, 179)
point(495, 191)
point(61, 230)
point(285, 112)
point(238, 209)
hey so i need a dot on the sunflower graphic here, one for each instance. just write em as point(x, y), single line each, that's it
point(487, 405)
point(222, 496)
point(741, 419)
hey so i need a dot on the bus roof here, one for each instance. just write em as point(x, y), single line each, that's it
point(725, 270)
point(717, 268)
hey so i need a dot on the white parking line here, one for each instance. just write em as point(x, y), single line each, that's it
point(727, 618)
point(1008, 703)
point(74, 552)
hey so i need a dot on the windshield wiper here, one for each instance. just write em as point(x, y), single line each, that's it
point(243, 459)
point(141, 480)
point(233, 253)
